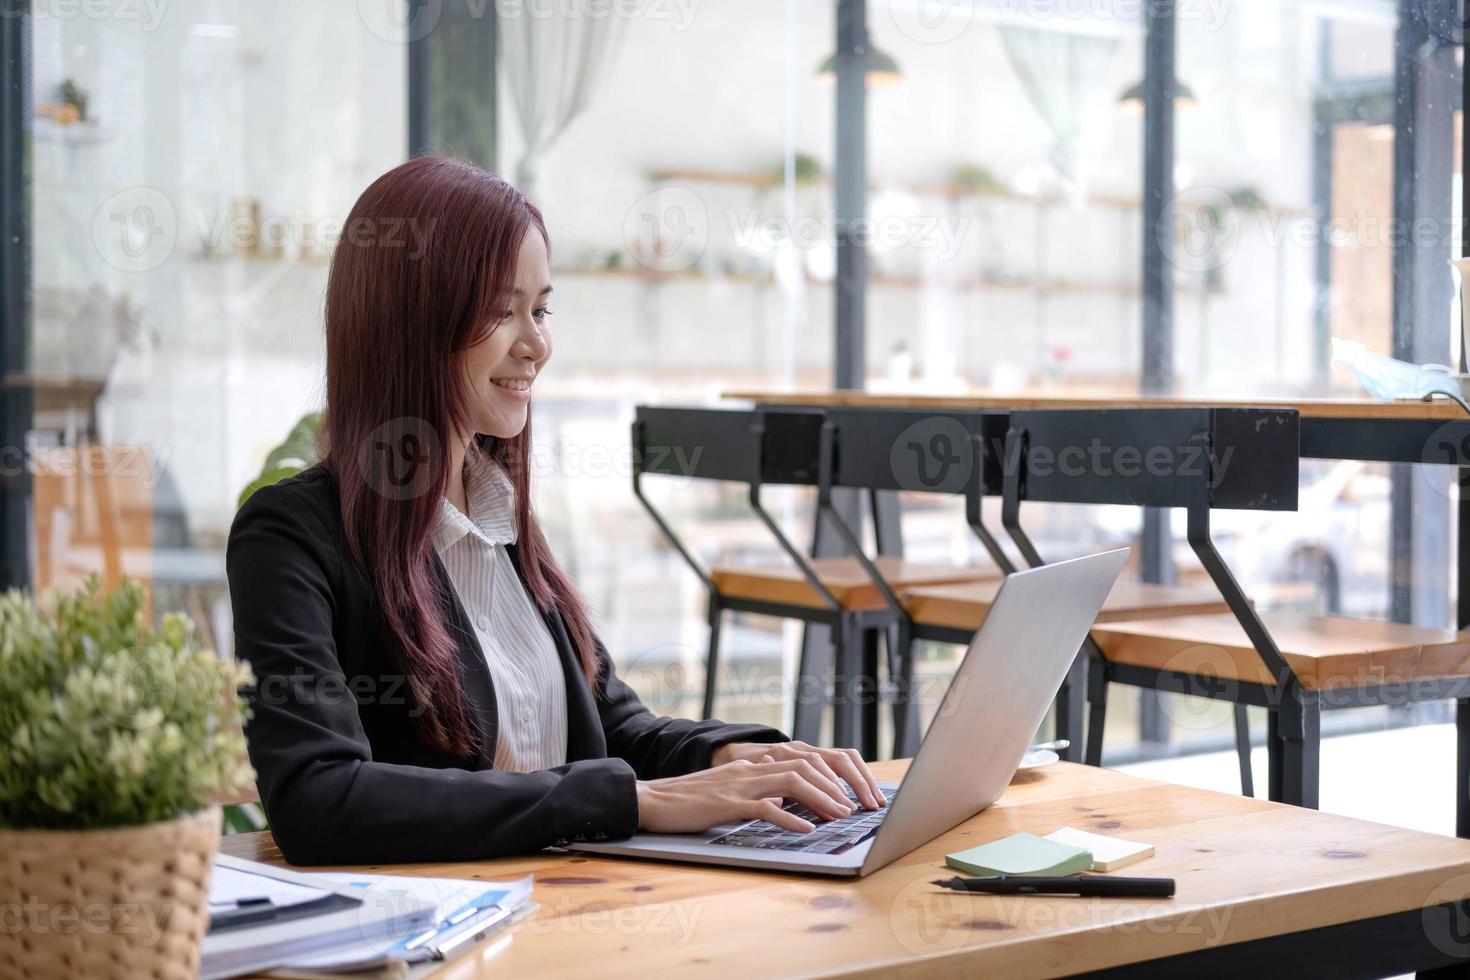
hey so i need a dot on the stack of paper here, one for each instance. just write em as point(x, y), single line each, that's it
point(1063, 852)
point(1021, 854)
point(264, 917)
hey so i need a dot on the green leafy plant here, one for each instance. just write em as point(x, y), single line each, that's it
point(295, 453)
point(105, 722)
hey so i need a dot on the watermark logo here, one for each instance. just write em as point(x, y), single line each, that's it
point(934, 21)
point(135, 230)
point(1200, 235)
point(397, 458)
point(400, 21)
point(667, 230)
point(148, 14)
point(1208, 672)
point(1448, 445)
point(1445, 918)
point(935, 455)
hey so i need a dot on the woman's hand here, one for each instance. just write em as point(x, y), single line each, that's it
point(740, 790)
point(844, 764)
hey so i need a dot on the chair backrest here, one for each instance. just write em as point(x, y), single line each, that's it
point(920, 450)
point(1249, 457)
point(774, 446)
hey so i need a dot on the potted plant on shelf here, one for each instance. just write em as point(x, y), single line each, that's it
point(114, 740)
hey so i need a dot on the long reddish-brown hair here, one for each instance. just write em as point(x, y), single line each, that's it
point(425, 262)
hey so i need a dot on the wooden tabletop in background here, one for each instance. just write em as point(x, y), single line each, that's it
point(1321, 408)
point(1246, 869)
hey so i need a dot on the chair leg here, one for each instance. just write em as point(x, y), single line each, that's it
point(1274, 791)
point(906, 732)
point(1300, 755)
point(1097, 700)
point(868, 700)
point(1462, 768)
point(1243, 750)
point(845, 682)
point(712, 658)
point(1069, 707)
point(813, 674)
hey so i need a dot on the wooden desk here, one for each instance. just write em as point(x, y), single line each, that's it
point(1261, 886)
point(1308, 408)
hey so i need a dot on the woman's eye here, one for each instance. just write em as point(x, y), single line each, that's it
point(506, 315)
point(541, 314)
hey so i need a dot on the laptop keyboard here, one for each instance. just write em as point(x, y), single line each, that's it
point(829, 837)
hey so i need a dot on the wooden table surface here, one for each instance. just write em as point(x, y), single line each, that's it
point(1324, 408)
point(1246, 869)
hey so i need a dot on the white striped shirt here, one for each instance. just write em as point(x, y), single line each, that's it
point(530, 685)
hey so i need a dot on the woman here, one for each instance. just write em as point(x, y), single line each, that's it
point(428, 683)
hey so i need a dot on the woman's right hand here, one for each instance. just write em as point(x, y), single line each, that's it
point(739, 791)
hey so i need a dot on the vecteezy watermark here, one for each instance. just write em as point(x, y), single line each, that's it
point(148, 14)
point(1444, 918)
point(397, 459)
point(1210, 13)
point(1448, 445)
point(37, 917)
point(296, 231)
point(926, 919)
point(678, 13)
point(406, 21)
point(1101, 459)
point(1202, 228)
point(138, 228)
point(936, 454)
point(667, 230)
point(755, 229)
point(135, 229)
point(561, 915)
point(139, 465)
point(932, 21)
point(402, 21)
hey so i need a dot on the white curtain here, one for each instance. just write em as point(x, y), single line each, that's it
point(554, 65)
point(1065, 78)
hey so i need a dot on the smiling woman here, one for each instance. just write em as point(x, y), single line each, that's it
point(410, 560)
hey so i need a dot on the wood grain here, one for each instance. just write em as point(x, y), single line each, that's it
point(1321, 408)
point(964, 605)
point(1326, 652)
point(844, 577)
point(1246, 869)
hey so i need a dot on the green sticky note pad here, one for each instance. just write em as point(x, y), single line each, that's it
point(1021, 854)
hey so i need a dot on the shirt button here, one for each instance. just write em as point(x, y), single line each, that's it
point(483, 622)
point(526, 713)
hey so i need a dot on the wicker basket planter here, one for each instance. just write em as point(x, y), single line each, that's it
point(121, 902)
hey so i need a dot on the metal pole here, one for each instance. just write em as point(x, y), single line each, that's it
point(15, 294)
point(850, 187)
point(1157, 374)
point(1425, 89)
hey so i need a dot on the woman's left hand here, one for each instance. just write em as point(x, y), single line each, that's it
point(846, 765)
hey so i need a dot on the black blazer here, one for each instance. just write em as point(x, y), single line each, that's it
point(341, 771)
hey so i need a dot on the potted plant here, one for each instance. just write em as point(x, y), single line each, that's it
point(114, 740)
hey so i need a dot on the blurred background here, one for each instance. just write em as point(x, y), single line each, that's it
point(176, 174)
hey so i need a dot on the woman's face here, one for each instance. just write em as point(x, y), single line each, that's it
point(503, 366)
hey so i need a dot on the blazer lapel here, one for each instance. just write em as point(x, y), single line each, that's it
point(585, 738)
point(479, 686)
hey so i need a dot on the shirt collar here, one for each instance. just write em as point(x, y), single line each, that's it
point(491, 500)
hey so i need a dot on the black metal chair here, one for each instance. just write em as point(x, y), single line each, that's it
point(879, 450)
point(853, 596)
point(1157, 458)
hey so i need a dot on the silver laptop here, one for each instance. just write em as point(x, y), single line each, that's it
point(995, 702)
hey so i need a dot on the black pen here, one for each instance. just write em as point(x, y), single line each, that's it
point(1084, 885)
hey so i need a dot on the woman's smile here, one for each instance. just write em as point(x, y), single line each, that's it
point(517, 388)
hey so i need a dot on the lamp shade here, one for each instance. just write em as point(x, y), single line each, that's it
point(1132, 98)
point(881, 68)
